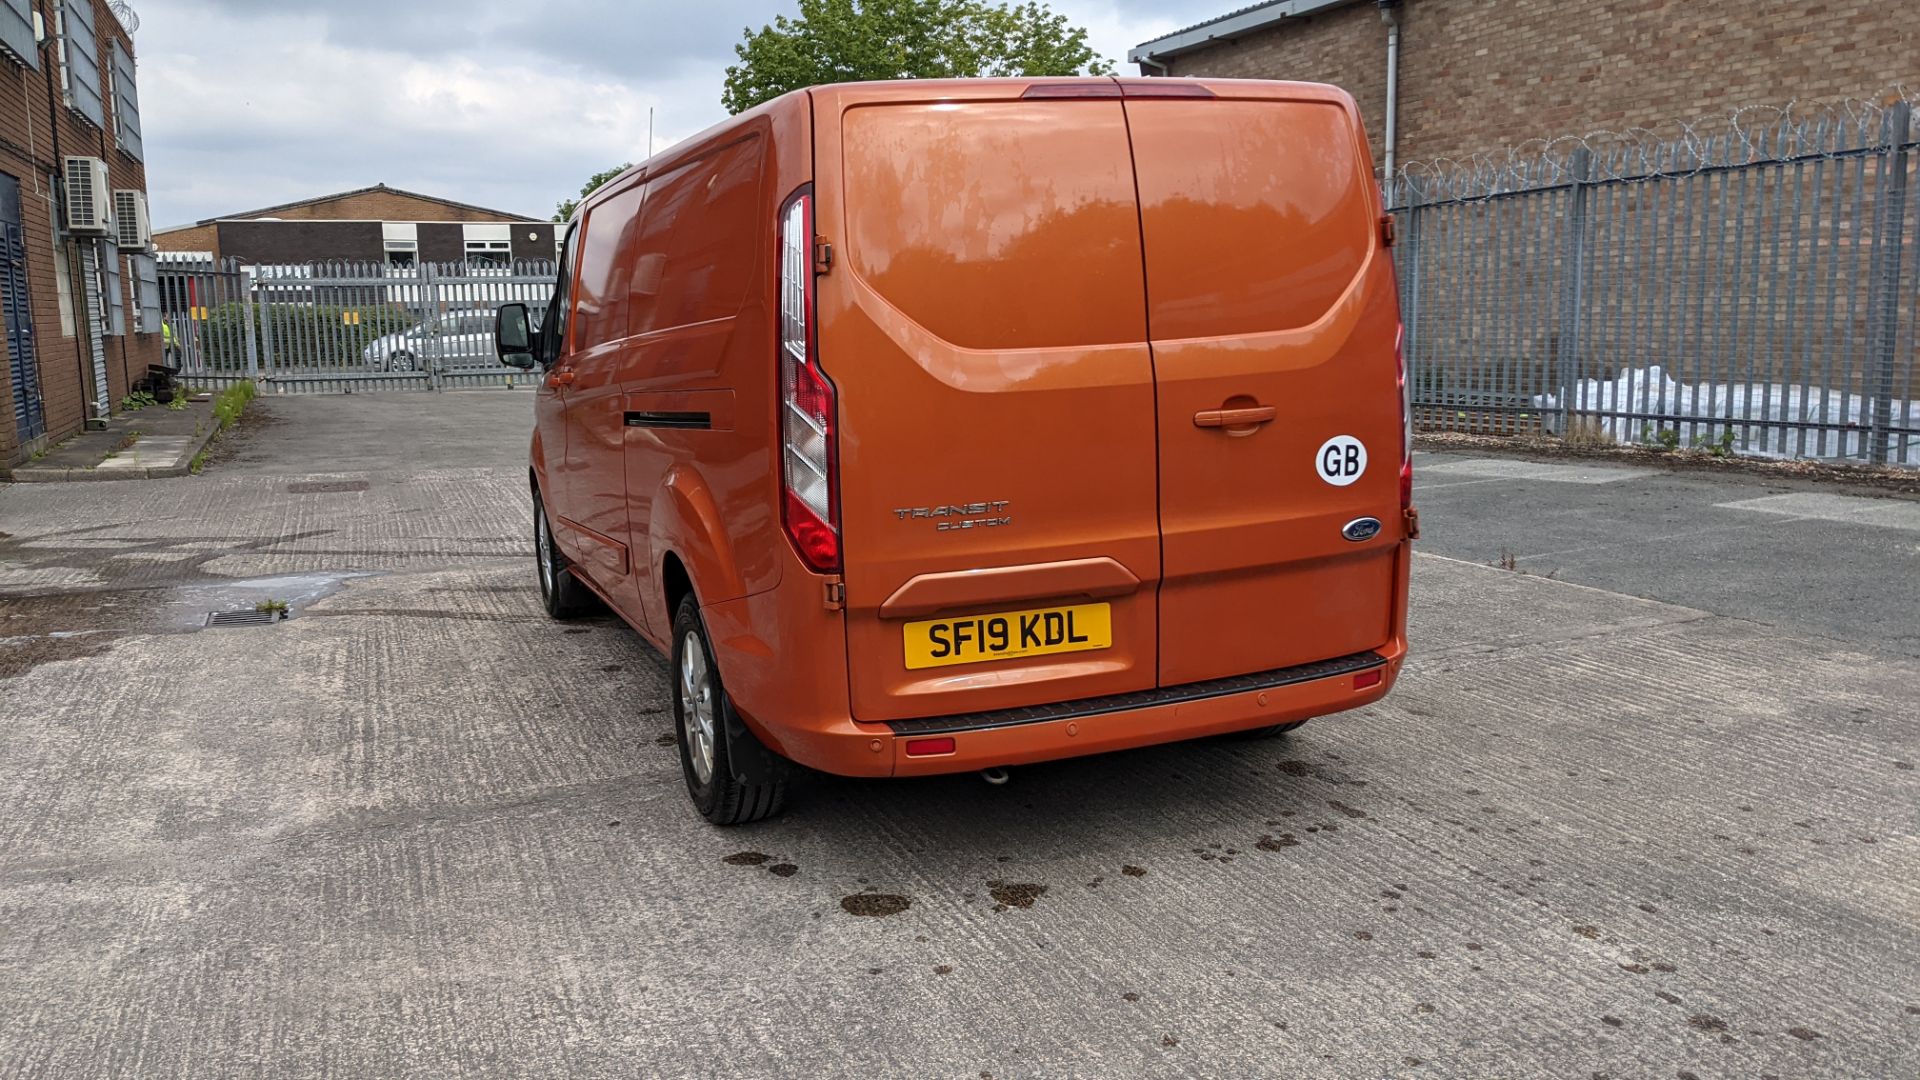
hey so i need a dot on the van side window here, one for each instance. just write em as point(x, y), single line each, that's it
point(700, 271)
point(600, 309)
point(553, 330)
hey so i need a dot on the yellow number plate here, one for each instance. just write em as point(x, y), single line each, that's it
point(1006, 635)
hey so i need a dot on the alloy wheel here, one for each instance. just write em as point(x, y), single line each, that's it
point(543, 549)
point(697, 705)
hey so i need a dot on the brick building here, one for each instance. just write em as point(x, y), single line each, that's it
point(78, 291)
point(1480, 75)
point(370, 224)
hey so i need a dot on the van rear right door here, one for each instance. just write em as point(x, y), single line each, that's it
point(1273, 321)
point(983, 322)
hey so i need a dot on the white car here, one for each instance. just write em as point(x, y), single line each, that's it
point(451, 339)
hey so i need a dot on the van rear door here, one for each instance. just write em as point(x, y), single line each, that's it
point(1273, 322)
point(983, 322)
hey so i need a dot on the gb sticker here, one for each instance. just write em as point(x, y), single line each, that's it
point(1341, 460)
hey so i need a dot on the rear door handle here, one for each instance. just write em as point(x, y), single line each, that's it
point(1231, 418)
point(564, 377)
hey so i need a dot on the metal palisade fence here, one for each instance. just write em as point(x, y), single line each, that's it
point(352, 327)
point(1747, 285)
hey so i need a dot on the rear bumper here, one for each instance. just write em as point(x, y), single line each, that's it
point(794, 697)
point(1089, 726)
point(1124, 721)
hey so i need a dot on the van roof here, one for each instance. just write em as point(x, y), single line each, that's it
point(960, 90)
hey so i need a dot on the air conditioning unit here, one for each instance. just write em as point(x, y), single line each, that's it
point(130, 223)
point(86, 189)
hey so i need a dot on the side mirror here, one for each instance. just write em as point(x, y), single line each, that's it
point(512, 338)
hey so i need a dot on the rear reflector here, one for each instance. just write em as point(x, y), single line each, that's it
point(929, 747)
point(1367, 679)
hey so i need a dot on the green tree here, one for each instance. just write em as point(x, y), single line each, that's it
point(563, 209)
point(857, 40)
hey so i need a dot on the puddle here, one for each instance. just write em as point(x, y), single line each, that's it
point(874, 905)
point(241, 594)
point(39, 628)
point(1015, 894)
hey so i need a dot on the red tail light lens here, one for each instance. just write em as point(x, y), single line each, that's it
point(810, 494)
point(1406, 420)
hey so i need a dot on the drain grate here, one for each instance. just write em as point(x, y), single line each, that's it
point(244, 618)
point(321, 487)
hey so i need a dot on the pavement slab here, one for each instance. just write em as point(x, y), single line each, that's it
point(136, 444)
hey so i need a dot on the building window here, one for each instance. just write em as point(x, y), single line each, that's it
point(16, 33)
point(126, 104)
point(80, 62)
point(62, 272)
point(113, 298)
point(488, 243)
point(481, 253)
point(400, 244)
point(146, 276)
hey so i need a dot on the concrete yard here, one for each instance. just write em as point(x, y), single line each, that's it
point(1644, 806)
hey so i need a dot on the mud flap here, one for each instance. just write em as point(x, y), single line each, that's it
point(747, 757)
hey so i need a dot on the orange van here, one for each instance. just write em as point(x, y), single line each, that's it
point(942, 426)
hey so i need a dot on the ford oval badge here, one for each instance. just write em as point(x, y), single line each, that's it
point(1361, 529)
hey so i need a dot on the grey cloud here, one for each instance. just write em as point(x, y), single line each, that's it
point(248, 103)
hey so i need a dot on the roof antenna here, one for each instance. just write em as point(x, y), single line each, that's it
point(649, 132)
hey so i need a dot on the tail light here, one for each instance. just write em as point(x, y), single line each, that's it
point(1406, 420)
point(810, 490)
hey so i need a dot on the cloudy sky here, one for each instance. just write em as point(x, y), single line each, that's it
point(508, 104)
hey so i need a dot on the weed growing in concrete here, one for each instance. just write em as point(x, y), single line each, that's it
point(272, 607)
point(1589, 431)
point(231, 402)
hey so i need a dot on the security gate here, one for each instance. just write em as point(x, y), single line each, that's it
point(345, 327)
point(23, 363)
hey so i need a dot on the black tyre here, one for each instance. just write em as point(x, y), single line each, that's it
point(1267, 732)
point(561, 593)
point(400, 361)
point(731, 776)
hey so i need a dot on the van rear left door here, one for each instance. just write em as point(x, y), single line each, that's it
point(983, 324)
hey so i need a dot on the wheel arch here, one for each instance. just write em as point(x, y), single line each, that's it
point(675, 583)
point(686, 532)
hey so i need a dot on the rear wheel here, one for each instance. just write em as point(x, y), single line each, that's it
point(731, 777)
point(1269, 731)
point(561, 593)
point(400, 361)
